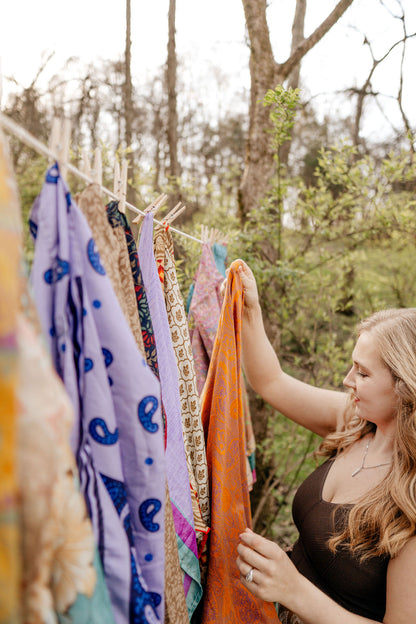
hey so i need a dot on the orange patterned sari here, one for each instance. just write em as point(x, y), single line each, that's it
point(225, 598)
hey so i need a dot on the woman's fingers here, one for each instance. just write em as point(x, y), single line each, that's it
point(251, 558)
point(243, 567)
point(260, 544)
point(274, 577)
point(223, 287)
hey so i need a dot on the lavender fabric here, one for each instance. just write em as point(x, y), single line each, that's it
point(118, 437)
point(176, 467)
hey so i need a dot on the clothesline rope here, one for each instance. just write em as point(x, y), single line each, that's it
point(23, 135)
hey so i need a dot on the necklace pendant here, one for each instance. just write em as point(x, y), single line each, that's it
point(356, 471)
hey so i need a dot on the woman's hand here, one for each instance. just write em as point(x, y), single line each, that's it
point(251, 296)
point(274, 577)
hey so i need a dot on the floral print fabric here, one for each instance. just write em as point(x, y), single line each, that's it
point(117, 220)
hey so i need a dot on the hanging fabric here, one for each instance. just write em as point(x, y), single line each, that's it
point(118, 220)
point(61, 576)
point(220, 256)
point(193, 433)
point(177, 473)
point(10, 256)
point(118, 433)
point(204, 313)
point(176, 611)
point(225, 598)
point(203, 319)
point(113, 254)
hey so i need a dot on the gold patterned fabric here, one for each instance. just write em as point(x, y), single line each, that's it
point(10, 256)
point(112, 247)
point(190, 405)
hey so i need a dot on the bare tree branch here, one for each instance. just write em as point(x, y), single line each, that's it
point(366, 89)
point(285, 68)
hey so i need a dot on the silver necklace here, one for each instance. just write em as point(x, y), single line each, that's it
point(362, 467)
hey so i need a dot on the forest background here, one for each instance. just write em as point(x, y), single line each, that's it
point(306, 164)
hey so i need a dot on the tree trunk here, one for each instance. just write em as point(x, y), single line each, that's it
point(266, 74)
point(298, 35)
point(171, 69)
point(128, 103)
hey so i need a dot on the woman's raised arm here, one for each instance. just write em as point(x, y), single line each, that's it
point(317, 409)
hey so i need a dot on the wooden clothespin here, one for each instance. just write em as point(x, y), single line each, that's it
point(98, 167)
point(122, 194)
point(86, 164)
point(59, 142)
point(117, 179)
point(54, 139)
point(153, 207)
point(204, 233)
point(174, 213)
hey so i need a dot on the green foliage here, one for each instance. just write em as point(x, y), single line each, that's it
point(29, 178)
point(283, 103)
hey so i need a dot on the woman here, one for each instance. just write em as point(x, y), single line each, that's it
point(355, 560)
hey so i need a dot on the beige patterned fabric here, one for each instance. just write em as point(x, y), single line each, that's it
point(176, 611)
point(58, 543)
point(112, 246)
point(191, 415)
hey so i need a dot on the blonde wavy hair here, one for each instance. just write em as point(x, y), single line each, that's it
point(382, 521)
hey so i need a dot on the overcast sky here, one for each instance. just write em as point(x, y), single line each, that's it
point(209, 33)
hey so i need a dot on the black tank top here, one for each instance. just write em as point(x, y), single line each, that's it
point(358, 587)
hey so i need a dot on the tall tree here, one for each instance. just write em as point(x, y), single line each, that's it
point(266, 73)
point(171, 69)
point(128, 102)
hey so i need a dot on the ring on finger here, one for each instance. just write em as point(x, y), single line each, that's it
point(249, 575)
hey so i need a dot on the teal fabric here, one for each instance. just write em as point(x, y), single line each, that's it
point(94, 610)
point(220, 257)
